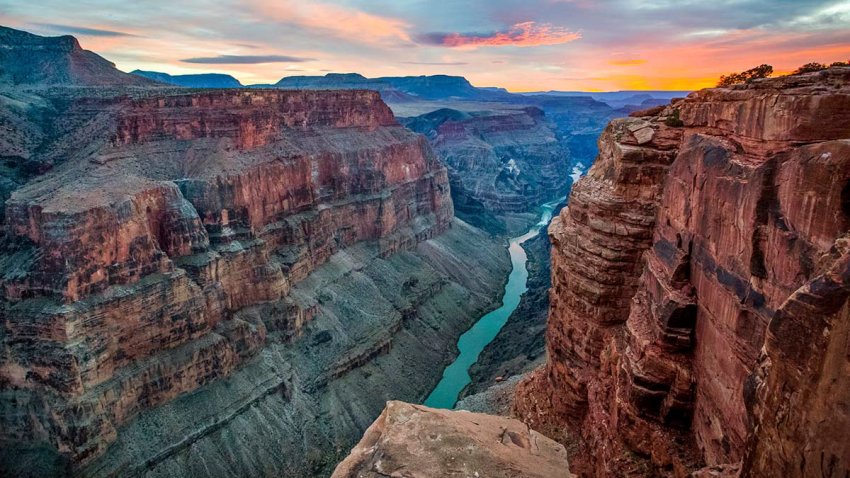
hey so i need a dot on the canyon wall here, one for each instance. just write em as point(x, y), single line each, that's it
point(189, 258)
point(501, 161)
point(699, 308)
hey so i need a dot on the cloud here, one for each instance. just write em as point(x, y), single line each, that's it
point(523, 34)
point(85, 31)
point(686, 44)
point(436, 63)
point(339, 21)
point(246, 59)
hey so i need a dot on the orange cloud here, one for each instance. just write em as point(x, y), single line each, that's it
point(521, 34)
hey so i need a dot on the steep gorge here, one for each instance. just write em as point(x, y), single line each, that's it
point(191, 277)
point(700, 289)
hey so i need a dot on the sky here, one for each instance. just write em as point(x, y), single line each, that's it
point(522, 45)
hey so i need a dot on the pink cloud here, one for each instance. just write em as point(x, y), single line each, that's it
point(521, 34)
point(339, 21)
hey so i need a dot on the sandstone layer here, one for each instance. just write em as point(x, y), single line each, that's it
point(163, 241)
point(700, 289)
point(420, 442)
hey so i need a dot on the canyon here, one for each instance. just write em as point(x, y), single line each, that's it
point(503, 161)
point(243, 280)
point(216, 282)
point(699, 320)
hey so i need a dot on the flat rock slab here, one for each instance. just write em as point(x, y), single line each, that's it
point(414, 441)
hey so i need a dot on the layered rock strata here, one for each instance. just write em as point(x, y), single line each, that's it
point(358, 331)
point(417, 441)
point(499, 161)
point(132, 271)
point(700, 288)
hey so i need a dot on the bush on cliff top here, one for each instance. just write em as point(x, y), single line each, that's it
point(810, 67)
point(761, 71)
point(815, 66)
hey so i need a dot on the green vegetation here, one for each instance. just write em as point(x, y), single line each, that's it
point(673, 120)
point(761, 71)
point(810, 67)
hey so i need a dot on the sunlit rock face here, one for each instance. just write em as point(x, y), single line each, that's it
point(700, 289)
point(420, 442)
point(130, 268)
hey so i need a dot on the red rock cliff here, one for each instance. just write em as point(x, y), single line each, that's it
point(126, 266)
point(701, 275)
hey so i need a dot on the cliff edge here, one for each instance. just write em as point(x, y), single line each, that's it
point(699, 311)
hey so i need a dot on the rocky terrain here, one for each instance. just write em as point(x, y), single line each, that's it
point(699, 310)
point(420, 442)
point(215, 282)
point(500, 161)
point(506, 153)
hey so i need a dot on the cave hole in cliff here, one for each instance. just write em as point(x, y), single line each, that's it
point(683, 317)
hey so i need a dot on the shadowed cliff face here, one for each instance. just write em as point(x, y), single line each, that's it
point(175, 240)
point(700, 289)
point(29, 59)
point(501, 162)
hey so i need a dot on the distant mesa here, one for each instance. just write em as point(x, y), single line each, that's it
point(202, 80)
point(346, 81)
point(29, 59)
point(399, 88)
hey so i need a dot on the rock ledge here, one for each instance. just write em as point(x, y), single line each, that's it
point(416, 441)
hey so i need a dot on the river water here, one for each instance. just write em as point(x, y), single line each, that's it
point(472, 342)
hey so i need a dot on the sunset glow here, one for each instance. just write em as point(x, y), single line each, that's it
point(521, 45)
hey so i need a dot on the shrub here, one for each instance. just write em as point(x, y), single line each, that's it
point(761, 71)
point(810, 67)
point(673, 120)
point(841, 63)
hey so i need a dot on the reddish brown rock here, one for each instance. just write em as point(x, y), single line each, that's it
point(128, 269)
point(700, 290)
point(416, 441)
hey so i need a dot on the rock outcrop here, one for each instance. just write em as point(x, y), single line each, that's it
point(420, 442)
point(699, 309)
